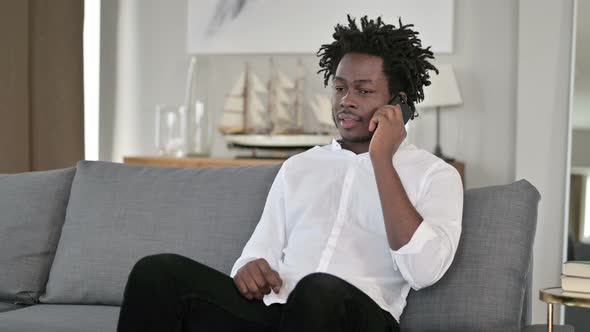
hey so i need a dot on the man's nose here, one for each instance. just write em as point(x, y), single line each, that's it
point(347, 101)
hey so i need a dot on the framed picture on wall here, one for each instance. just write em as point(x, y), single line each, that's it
point(302, 26)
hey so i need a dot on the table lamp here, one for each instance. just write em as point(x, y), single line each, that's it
point(442, 92)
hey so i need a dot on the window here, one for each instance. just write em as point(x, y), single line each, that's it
point(91, 78)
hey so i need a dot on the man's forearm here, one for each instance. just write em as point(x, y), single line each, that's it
point(400, 216)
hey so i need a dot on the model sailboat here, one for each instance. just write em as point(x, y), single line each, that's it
point(243, 112)
point(246, 122)
point(321, 109)
point(286, 112)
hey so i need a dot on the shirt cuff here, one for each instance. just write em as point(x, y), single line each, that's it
point(423, 234)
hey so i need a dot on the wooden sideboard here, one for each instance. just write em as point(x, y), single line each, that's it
point(203, 162)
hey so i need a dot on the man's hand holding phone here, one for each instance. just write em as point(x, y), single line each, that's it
point(256, 279)
point(387, 125)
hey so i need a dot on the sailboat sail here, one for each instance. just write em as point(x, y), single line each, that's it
point(298, 104)
point(232, 119)
point(284, 81)
point(287, 106)
point(321, 108)
point(256, 84)
point(238, 87)
point(258, 120)
point(280, 86)
point(243, 111)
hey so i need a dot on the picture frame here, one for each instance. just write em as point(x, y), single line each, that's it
point(301, 27)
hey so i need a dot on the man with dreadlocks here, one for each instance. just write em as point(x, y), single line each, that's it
point(348, 228)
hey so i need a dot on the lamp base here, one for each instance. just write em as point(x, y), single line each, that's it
point(437, 149)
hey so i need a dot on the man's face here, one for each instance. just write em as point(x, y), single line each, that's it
point(359, 88)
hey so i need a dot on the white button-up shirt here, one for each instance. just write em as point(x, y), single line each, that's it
point(323, 214)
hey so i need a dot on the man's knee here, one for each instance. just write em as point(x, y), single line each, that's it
point(320, 289)
point(154, 263)
point(152, 268)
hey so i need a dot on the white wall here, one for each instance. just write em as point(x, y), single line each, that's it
point(143, 64)
point(482, 131)
point(147, 60)
point(542, 128)
point(581, 115)
point(581, 100)
point(504, 131)
point(581, 148)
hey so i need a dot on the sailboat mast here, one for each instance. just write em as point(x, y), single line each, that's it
point(271, 95)
point(245, 102)
point(297, 105)
point(299, 95)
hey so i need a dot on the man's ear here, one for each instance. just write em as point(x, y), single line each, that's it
point(404, 96)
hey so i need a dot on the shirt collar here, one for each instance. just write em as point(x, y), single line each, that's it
point(336, 146)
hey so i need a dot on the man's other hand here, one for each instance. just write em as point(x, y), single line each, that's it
point(256, 279)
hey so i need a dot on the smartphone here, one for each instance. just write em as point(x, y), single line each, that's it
point(406, 109)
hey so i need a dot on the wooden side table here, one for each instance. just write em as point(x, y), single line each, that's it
point(556, 295)
point(202, 162)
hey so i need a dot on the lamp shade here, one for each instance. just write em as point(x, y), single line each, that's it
point(443, 90)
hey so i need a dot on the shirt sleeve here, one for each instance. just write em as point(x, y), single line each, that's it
point(268, 239)
point(429, 253)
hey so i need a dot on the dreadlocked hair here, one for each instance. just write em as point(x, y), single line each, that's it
point(405, 62)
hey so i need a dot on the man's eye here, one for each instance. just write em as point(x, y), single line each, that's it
point(364, 92)
point(338, 88)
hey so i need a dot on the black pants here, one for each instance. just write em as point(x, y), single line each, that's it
point(168, 292)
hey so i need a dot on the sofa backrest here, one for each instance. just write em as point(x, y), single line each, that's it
point(118, 214)
point(485, 287)
point(32, 212)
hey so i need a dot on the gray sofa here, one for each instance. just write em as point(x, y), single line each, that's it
point(68, 239)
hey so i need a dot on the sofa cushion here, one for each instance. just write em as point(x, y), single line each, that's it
point(484, 288)
point(32, 212)
point(61, 318)
point(118, 214)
